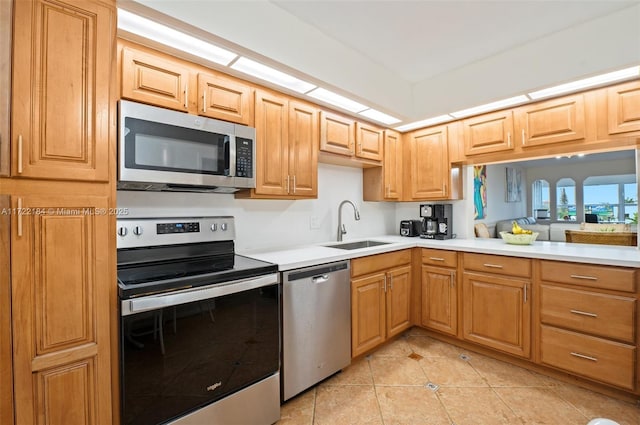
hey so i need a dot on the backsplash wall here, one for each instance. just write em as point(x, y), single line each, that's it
point(263, 224)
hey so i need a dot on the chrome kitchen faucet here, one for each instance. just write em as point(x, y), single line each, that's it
point(341, 229)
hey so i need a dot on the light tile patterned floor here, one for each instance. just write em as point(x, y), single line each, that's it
point(389, 388)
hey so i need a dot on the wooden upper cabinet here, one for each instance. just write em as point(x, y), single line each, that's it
point(369, 142)
point(337, 134)
point(488, 133)
point(623, 112)
point(62, 71)
point(61, 286)
point(385, 184)
point(392, 166)
point(224, 99)
point(272, 144)
point(303, 149)
point(156, 79)
point(553, 121)
point(428, 175)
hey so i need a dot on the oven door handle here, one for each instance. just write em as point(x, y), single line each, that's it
point(159, 301)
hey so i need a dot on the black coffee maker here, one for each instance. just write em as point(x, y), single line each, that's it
point(437, 221)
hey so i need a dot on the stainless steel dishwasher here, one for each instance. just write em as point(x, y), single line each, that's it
point(316, 325)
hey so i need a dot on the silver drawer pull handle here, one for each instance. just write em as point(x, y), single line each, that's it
point(583, 313)
point(582, 356)
point(436, 258)
point(493, 266)
point(577, 276)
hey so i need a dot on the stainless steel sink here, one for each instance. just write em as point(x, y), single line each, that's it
point(358, 245)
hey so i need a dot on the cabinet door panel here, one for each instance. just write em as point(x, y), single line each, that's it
point(488, 133)
point(497, 312)
point(554, 121)
point(303, 149)
point(337, 134)
point(392, 165)
point(624, 108)
point(61, 287)
point(6, 383)
point(55, 387)
point(6, 14)
point(398, 300)
point(439, 300)
point(62, 64)
point(367, 313)
point(224, 99)
point(368, 142)
point(155, 79)
point(272, 144)
point(429, 164)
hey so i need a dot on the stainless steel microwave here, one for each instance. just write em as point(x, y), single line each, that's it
point(161, 149)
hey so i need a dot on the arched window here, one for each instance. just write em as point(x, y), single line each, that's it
point(540, 198)
point(566, 199)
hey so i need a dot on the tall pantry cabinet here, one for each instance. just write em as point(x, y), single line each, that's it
point(61, 190)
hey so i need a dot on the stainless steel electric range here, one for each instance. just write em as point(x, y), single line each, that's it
point(199, 325)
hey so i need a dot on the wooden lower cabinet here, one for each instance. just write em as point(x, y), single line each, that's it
point(497, 312)
point(439, 299)
point(6, 382)
point(380, 297)
point(61, 291)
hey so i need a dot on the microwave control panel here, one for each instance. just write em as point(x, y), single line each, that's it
point(244, 157)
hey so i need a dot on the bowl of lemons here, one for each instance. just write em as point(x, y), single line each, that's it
point(519, 236)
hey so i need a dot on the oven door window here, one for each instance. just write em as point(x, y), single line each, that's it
point(162, 147)
point(180, 358)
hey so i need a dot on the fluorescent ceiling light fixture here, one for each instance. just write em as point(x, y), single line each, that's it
point(424, 123)
point(147, 28)
point(491, 106)
point(337, 100)
point(274, 76)
point(587, 82)
point(379, 116)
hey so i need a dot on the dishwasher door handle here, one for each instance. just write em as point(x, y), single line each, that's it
point(320, 279)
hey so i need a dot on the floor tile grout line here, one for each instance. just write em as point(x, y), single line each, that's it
point(375, 392)
point(313, 410)
point(559, 395)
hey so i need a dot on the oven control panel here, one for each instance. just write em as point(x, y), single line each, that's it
point(142, 232)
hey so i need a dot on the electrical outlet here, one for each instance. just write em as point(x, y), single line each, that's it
point(314, 222)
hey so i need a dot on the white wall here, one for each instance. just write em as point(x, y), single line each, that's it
point(278, 223)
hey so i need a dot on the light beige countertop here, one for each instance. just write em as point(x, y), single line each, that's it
point(310, 255)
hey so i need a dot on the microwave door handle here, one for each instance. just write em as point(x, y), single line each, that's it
point(230, 155)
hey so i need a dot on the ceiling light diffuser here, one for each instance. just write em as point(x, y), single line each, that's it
point(424, 123)
point(379, 116)
point(151, 30)
point(587, 82)
point(491, 106)
point(274, 76)
point(337, 100)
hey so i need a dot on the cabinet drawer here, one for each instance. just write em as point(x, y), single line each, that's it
point(512, 266)
point(374, 263)
point(595, 358)
point(605, 277)
point(600, 314)
point(438, 257)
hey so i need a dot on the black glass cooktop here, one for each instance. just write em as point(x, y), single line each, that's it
point(143, 271)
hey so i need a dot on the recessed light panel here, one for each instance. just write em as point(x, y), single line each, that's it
point(274, 76)
point(587, 82)
point(151, 30)
point(379, 116)
point(425, 123)
point(493, 106)
point(337, 100)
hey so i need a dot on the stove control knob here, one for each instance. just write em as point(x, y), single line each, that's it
point(137, 230)
point(223, 227)
point(214, 227)
point(122, 231)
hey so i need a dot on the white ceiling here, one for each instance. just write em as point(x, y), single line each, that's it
point(418, 59)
